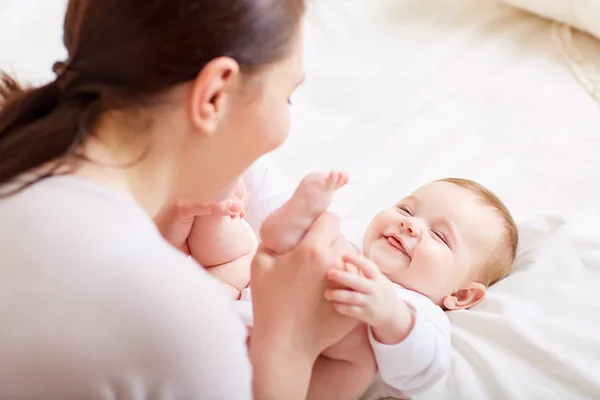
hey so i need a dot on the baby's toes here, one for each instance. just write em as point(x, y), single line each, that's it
point(343, 179)
point(337, 179)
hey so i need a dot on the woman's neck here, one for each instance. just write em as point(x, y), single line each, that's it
point(126, 162)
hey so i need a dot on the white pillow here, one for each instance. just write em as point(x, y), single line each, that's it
point(582, 14)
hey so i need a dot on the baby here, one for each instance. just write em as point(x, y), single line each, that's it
point(225, 246)
point(436, 250)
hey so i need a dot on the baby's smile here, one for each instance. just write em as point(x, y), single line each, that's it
point(396, 242)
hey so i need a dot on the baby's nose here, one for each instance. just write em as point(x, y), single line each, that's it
point(411, 227)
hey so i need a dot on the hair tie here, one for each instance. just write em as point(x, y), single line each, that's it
point(59, 68)
point(64, 75)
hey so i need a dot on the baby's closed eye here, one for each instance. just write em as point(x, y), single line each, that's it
point(439, 236)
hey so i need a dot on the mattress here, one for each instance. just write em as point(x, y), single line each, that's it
point(401, 92)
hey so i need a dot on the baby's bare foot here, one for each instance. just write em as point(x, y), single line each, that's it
point(317, 189)
point(285, 227)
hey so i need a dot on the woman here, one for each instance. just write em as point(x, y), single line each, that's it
point(159, 101)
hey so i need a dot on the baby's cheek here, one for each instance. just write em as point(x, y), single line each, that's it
point(443, 268)
point(438, 252)
point(434, 261)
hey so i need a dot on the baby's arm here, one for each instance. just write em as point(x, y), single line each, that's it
point(422, 358)
point(410, 335)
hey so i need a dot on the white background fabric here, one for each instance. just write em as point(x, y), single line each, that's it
point(399, 92)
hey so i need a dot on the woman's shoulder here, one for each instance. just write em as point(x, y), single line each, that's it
point(80, 229)
point(181, 316)
point(66, 204)
point(135, 307)
point(103, 239)
point(173, 313)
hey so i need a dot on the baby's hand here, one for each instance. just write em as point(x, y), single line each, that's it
point(351, 269)
point(240, 195)
point(367, 294)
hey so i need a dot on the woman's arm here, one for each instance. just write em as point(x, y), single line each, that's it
point(328, 378)
point(280, 370)
point(293, 323)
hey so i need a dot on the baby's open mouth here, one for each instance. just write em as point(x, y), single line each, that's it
point(395, 242)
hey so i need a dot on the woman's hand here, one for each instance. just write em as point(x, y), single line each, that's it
point(241, 193)
point(175, 220)
point(288, 290)
point(293, 323)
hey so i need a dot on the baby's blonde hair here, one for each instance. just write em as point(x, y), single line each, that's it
point(500, 262)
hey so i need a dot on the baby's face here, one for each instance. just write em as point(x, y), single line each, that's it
point(434, 241)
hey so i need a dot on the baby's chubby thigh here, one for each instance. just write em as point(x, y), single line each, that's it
point(354, 347)
point(215, 240)
point(353, 362)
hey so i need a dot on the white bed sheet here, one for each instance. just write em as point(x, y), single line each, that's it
point(399, 92)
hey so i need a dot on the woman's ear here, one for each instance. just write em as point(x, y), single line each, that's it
point(208, 96)
point(465, 297)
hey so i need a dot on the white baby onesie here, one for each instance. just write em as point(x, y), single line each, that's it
point(419, 361)
point(409, 367)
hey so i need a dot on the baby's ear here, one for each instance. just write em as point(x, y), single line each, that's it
point(465, 297)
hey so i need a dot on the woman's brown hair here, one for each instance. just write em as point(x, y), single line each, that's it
point(123, 52)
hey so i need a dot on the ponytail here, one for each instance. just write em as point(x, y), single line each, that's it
point(39, 126)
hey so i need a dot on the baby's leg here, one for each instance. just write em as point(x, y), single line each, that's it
point(224, 246)
point(234, 275)
point(285, 227)
point(350, 367)
point(216, 240)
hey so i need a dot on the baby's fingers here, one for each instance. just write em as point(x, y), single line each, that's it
point(366, 266)
point(356, 312)
point(348, 297)
point(351, 269)
point(233, 205)
point(350, 281)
